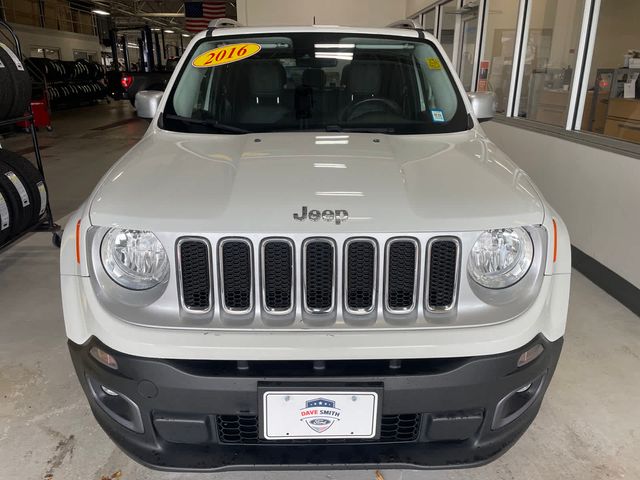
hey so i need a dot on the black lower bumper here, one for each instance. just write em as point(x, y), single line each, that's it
point(204, 415)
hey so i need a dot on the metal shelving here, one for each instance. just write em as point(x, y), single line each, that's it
point(46, 223)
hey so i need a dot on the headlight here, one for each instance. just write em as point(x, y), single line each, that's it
point(500, 258)
point(134, 259)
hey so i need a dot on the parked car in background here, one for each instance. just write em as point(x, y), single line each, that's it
point(127, 84)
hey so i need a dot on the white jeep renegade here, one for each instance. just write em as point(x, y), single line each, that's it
point(315, 258)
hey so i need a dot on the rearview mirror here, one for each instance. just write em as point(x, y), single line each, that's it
point(147, 102)
point(483, 105)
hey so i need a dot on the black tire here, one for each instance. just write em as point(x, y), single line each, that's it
point(20, 83)
point(8, 209)
point(6, 85)
point(15, 187)
point(32, 180)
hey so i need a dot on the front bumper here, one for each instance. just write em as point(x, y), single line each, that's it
point(202, 415)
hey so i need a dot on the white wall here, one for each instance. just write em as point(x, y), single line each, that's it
point(67, 42)
point(373, 13)
point(597, 193)
point(414, 5)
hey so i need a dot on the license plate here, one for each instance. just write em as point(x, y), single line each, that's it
point(319, 415)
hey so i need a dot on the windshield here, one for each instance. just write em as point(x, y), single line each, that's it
point(315, 82)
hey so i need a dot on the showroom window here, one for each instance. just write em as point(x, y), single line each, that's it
point(612, 96)
point(429, 21)
point(469, 17)
point(568, 67)
point(448, 16)
point(496, 65)
point(550, 60)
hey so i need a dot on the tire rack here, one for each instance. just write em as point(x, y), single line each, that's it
point(46, 223)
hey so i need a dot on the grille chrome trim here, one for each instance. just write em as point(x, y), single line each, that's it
point(305, 244)
point(456, 283)
point(263, 293)
point(223, 305)
point(345, 276)
point(416, 276)
point(181, 240)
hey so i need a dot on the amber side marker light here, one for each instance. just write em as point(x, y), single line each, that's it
point(103, 357)
point(530, 355)
point(78, 242)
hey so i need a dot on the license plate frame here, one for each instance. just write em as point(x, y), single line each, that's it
point(370, 394)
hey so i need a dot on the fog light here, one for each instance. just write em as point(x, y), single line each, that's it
point(517, 402)
point(530, 355)
point(103, 357)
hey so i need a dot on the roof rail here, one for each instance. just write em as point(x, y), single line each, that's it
point(224, 23)
point(406, 23)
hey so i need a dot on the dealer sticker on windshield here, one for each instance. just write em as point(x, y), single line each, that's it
point(437, 116)
point(227, 54)
point(434, 64)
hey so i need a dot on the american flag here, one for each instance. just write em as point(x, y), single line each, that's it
point(198, 14)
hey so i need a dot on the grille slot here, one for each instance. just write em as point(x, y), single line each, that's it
point(319, 275)
point(360, 266)
point(244, 429)
point(195, 275)
point(442, 276)
point(402, 275)
point(236, 275)
point(277, 276)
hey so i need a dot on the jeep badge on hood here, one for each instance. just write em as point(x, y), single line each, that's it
point(338, 216)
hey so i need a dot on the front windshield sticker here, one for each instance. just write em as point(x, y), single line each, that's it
point(434, 64)
point(227, 54)
point(437, 116)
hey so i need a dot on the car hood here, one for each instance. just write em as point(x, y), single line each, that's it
point(194, 183)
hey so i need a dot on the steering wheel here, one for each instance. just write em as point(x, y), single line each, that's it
point(388, 105)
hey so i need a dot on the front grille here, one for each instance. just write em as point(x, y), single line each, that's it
point(244, 429)
point(319, 266)
point(236, 275)
point(323, 269)
point(402, 265)
point(442, 274)
point(277, 271)
point(195, 275)
point(237, 428)
point(360, 275)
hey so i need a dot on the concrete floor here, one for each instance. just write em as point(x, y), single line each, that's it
point(588, 428)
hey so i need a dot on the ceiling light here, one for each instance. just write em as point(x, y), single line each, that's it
point(100, 12)
point(186, 35)
point(336, 45)
point(169, 31)
point(335, 55)
point(155, 29)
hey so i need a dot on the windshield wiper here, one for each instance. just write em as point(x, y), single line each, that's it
point(213, 124)
point(339, 129)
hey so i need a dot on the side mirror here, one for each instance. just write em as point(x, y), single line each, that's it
point(483, 105)
point(147, 102)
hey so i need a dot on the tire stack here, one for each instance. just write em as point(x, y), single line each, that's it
point(23, 196)
point(15, 85)
point(71, 83)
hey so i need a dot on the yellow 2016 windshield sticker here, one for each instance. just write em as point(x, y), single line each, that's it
point(434, 64)
point(228, 54)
